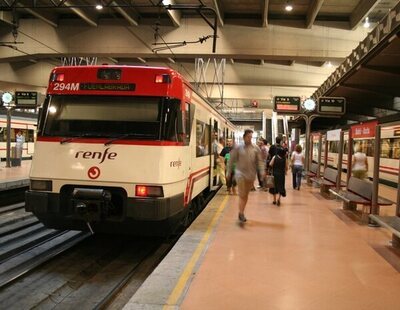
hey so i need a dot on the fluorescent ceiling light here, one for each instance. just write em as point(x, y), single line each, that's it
point(288, 7)
point(366, 23)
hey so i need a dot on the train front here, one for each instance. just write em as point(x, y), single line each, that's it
point(112, 152)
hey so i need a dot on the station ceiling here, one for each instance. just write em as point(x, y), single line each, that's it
point(264, 50)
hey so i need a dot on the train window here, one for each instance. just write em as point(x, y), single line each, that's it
point(170, 115)
point(346, 148)
point(385, 148)
point(396, 148)
point(189, 120)
point(105, 116)
point(202, 139)
point(30, 136)
point(370, 148)
point(3, 134)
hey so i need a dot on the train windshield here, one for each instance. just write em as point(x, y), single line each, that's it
point(111, 116)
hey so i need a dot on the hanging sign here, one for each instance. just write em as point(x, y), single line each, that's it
point(332, 105)
point(365, 130)
point(287, 105)
point(333, 135)
point(26, 99)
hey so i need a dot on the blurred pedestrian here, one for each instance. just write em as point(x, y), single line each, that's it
point(264, 155)
point(359, 164)
point(230, 178)
point(247, 159)
point(19, 145)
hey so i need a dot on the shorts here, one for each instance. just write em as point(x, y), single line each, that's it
point(360, 174)
point(244, 187)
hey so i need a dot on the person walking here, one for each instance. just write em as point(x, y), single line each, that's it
point(279, 170)
point(248, 162)
point(359, 166)
point(264, 155)
point(297, 166)
point(230, 181)
point(220, 161)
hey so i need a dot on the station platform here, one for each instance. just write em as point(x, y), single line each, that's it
point(307, 253)
point(14, 177)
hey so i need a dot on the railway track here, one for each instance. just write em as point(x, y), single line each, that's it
point(88, 276)
point(45, 268)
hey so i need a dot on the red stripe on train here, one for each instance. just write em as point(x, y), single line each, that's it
point(193, 177)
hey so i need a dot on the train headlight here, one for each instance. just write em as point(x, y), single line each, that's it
point(41, 185)
point(149, 191)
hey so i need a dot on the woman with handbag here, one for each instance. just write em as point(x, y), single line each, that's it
point(279, 169)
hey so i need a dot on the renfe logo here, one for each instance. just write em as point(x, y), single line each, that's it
point(96, 155)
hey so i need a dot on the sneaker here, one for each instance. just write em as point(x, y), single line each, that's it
point(242, 218)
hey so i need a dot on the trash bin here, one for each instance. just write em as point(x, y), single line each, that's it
point(16, 155)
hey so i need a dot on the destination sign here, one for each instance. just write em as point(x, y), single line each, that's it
point(107, 86)
point(331, 105)
point(26, 99)
point(285, 104)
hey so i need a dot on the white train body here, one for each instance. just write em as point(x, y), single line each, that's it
point(127, 183)
point(27, 126)
point(389, 156)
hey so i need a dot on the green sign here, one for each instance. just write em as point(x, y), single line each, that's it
point(26, 99)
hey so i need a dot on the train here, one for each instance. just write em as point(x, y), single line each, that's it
point(24, 124)
point(389, 153)
point(123, 149)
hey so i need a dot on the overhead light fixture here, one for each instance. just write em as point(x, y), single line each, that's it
point(366, 23)
point(99, 6)
point(328, 64)
point(288, 7)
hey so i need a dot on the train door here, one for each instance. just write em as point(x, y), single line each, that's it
point(215, 132)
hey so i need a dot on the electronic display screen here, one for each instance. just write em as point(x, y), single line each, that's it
point(26, 99)
point(285, 104)
point(331, 105)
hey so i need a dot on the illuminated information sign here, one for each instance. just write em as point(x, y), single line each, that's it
point(26, 99)
point(284, 104)
point(331, 105)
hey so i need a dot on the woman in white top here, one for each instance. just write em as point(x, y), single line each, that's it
point(360, 164)
point(297, 166)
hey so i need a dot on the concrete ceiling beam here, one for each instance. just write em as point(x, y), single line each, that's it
point(133, 20)
point(81, 13)
point(265, 13)
point(313, 12)
point(174, 15)
point(361, 11)
point(47, 18)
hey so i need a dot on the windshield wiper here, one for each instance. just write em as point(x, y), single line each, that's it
point(67, 140)
point(127, 135)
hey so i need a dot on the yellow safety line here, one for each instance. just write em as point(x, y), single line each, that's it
point(177, 292)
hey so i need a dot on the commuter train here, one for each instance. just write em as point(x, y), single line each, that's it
point(389, 155)
point(122, 149)
point(27, 127)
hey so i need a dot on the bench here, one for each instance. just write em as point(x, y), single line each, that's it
point(312, 173)
point(390, 222)
point(328, 181)
point(359, 192)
